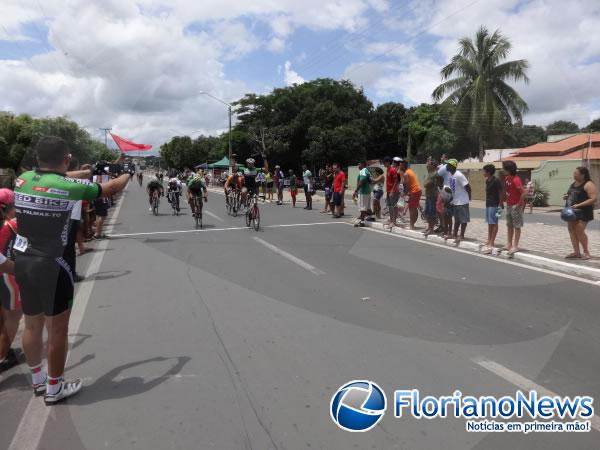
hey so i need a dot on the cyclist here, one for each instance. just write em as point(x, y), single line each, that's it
point(250, 173)
point(196, 186)
point(233, 182)
point(174, 191)
point(154, 185)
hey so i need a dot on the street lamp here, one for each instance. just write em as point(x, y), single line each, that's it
point(229, 107)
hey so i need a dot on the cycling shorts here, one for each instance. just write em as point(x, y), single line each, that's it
point(195, 190)
point(46, 284)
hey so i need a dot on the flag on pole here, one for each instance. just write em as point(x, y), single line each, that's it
point(129, 146)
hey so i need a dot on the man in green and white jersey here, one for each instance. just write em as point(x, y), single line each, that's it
point(44, 199)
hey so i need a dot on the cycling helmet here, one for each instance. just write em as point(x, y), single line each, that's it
point(7, 197)
point(250, 161)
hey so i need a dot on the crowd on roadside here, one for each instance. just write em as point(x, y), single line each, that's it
point(394, 193)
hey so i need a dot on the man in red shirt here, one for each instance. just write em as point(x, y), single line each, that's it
point(339, 185)
point(515, 204)
point(392, 189)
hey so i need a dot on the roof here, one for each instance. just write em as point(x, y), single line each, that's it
point(575, 147)
point(224, 162)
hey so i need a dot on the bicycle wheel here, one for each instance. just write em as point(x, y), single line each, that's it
point(248, 218)
point(155, 206)
point(236, 206)
point(256, 217)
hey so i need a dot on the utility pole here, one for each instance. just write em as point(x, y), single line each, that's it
point(229, 109)
point(106, 130)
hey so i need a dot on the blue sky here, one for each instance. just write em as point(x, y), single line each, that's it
point(138, 67)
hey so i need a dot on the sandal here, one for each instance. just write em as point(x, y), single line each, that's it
point(586, 257)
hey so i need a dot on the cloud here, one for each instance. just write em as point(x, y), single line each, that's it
point(290, 76)
point(138, 66)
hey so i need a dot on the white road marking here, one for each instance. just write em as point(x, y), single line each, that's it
point(214, 216)
point(150, 233)
point(32, 425)
point(290, 257)
point(489, 257)
point(525, 383)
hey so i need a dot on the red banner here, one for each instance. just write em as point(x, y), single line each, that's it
point(129, 146)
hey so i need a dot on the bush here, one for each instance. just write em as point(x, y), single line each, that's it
point(541, 194)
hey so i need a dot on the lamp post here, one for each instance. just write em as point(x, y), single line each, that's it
point(229, 108)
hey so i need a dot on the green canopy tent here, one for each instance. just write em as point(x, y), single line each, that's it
point(221, 164)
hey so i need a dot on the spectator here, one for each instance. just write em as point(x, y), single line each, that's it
point(43, 275)
point(413, 189)
point(493, 203)
point(269, 185)
point(445, 197)
point(101, 205)
point(307, 179)
point(431, 194)
point(363, 192)
point(515, 204)
point(293, 187)
point(339, 185)
point(261, 183)
point(327, 188)
point(582, 197)
point(530, 195)
point(461, 195)
point(10, 299)
point(279, 180)
point(392, 189)
point(378, 181)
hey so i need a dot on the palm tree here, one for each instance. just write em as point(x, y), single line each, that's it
point(475, 83)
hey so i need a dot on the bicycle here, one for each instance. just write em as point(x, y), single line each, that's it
point(141, 179)
point(253, 213)
point(196, 205)
point(174, 199)
point(155, 202)
point(234, 202)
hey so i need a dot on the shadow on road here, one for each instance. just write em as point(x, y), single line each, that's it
point(107, 387)
point(109, 275)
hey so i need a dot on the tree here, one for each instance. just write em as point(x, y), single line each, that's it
point(476, 83)
point(593, 126)
point(562, 127)
point(525, 135)
point(385, 130)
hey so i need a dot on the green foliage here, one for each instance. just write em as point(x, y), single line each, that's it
point(20, 134)
point(593, 126)
point(476, 84)
point(311, 122)
point(562, 127)
point(525, 135)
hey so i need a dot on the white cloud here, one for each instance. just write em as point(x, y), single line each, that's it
point(138, 66)
point(290, 76)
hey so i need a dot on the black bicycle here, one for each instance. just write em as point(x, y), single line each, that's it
point(174, 199)
point(253, 213)
point(155, 202)
point(196, 205)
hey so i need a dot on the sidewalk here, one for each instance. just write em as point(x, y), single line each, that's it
point(541, 245)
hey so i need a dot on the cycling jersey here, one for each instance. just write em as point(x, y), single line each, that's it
point(44, 201)
point(154, 184)
point(174, 185)
point(196, 184)
point(250, 178)
point(234, 182)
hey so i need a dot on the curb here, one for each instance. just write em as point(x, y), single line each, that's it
point(475, 247)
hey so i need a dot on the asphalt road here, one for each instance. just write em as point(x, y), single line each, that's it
point(228, 338)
